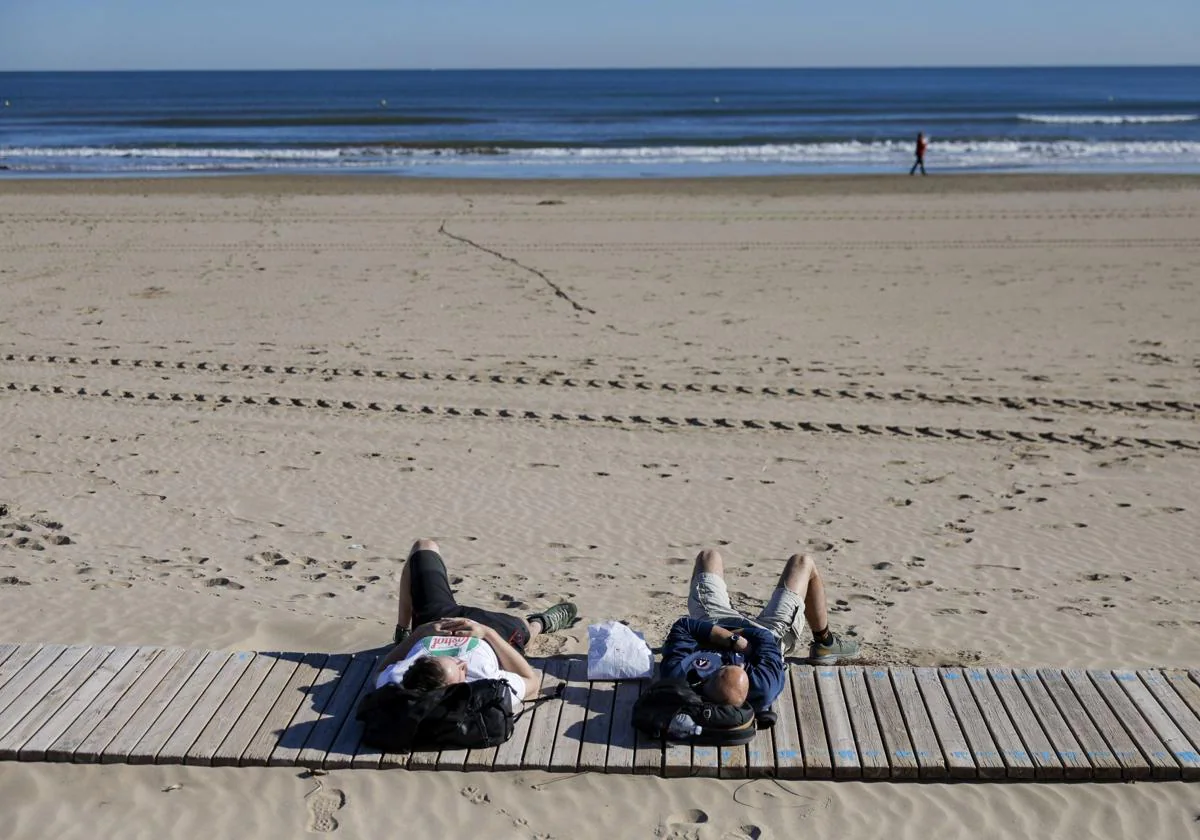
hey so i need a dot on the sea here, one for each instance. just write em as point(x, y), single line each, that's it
point(599, 123)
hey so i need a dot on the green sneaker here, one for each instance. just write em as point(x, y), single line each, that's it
point(838, 648)
point(558, 617)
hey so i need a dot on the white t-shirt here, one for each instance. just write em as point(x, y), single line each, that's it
point(482, 663)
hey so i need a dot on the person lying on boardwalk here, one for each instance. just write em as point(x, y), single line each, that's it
point(735, 658)
point(450, 643)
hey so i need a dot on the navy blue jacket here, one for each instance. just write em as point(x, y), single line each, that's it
point(689, 641)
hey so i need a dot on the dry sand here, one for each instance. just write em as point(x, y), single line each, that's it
point(990, 305)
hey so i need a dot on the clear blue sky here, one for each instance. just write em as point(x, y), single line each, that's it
point(262, 34)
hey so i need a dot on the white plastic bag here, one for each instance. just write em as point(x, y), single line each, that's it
point(615, 652)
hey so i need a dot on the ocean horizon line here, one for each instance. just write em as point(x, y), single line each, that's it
point(614, 69)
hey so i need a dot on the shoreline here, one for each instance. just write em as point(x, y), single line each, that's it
point(781, 186)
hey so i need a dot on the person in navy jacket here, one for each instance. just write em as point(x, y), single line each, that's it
point(734, 659)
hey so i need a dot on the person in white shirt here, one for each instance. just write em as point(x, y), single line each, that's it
point(450, 643)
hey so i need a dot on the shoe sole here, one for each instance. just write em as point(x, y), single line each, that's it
point(831, 658)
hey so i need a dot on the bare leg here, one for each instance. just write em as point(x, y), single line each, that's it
point(800, 575)
point(404, 613)
point(709, 560)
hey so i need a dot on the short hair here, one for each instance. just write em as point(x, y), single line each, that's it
point(424, 675)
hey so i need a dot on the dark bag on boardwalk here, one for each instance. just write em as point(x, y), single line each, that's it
point(468, 715)
point(720, 724)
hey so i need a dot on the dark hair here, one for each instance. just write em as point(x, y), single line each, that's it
point(424, 675)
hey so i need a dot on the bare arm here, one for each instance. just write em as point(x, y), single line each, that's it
point(512, 660)
point(404, 648)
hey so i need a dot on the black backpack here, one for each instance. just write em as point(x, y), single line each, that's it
point(720, 724)
point(467, 715)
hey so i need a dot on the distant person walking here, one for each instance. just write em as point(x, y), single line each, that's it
point(920, 161)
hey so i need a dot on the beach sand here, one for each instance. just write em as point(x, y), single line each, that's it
point(829, 365)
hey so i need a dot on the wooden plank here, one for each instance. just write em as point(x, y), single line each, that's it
point(540, 743)
point(422, 760)
point(1133, 764)
point(945, 723)
point(931, 761)
point(510, 753)
point(127, 737)
point(115, 704)
point(732, 762)
point(593, 754)
point(223, 719)
point(705, 761)
point(649, 753)
point(452, 760)
point(20, 681)
point(892, 728)
point(788, 757)
point(648, 756)
point(677, 759)
point(313, 701)
point(61, 718)
point(1187, 689)
point(1160, 720)
point(760, 753)
point(16, 660)
point(67, 676)
point(173, 714)
point(346, 741)
point(176, 748)
point(847, 763)
point(275, 726)
point(1074, 762)
point(1188, 752)
point(238, 740)
point(622, 740)
point(348, 682)
point(875, 756)
point(1162, 764)
point(1005, 711)
point(569, 736)
point(818, 760)
point(120, 730)
point(365, 756)
point(7, 649)
point(1105, 764)
point(988, 761)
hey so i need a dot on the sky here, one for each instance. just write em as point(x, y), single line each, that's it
point(443, 34)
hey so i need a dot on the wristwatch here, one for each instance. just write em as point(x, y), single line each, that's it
point(734, 638)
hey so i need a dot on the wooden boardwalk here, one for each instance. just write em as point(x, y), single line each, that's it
point(142, 705)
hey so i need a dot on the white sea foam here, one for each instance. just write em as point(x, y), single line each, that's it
point(662, 160)
point(169, 152)
point(1108, 119)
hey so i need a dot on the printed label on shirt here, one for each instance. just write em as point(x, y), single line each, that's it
point(455, 646)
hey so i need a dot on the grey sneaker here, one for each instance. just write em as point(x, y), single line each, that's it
point(558, 617)
point(838, 648)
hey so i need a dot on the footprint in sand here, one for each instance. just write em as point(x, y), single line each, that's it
point(322, 805)
point(683, 826)
point(743, 832)
point(475, 795)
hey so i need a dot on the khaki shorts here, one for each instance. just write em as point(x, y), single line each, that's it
point(782, 617)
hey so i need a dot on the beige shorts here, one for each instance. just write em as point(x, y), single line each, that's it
point(782, 617)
